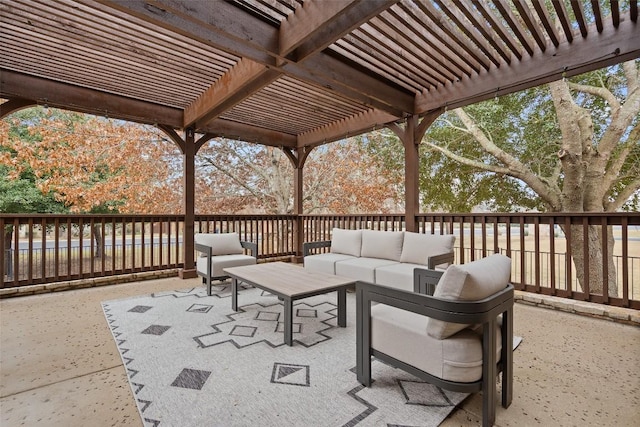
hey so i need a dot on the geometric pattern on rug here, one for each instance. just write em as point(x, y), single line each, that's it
point(261, 323)
point(213, 366)
point(286, 373)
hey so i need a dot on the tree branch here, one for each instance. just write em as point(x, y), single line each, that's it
point(466, 161)
point(632, 73)
point(602, 92)
point(615, 166)
point(450, 124)
point(515, 168)
point(231, 176)
point(623, 196)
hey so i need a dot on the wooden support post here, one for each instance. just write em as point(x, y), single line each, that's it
point(411, 137)
point(298, 211)
point(189, 155)
point(411, 174)
point(298, 156)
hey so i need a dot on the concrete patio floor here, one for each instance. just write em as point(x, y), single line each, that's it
point(59, 365)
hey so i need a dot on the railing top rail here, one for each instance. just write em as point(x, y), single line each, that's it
point(534, 214)
point(145, 216)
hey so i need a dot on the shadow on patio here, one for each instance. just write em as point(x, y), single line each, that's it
point(61, 367)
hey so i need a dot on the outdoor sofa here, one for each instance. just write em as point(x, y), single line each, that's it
point(381, 257)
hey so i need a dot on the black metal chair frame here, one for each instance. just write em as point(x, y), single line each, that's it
point(484, 312)
point(207, 250)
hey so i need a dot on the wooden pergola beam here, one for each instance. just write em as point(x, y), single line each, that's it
point(240, 82)
point(317, 24)
point(84, 100)
point(13, 105)
point(215, 23)
point(244, 132)
point(354, 125)
point(569, 59)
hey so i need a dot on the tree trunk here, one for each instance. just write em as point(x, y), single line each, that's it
point(97, 236)
point(9, 253)
point(595, 259)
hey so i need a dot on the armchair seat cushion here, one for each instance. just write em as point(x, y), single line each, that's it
point(401, 335)
point(325, 263)
point(361, 268)
point(223, 261)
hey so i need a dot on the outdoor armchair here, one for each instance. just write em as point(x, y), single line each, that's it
point(219, 251)
point(459, 339)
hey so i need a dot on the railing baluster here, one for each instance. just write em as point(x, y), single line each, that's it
point(552, 258)
point(43, 257)
point(625, 263)
point(536, 250)
point(585, 254)
point(605, 261)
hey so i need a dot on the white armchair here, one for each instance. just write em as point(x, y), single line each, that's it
point(459, 339)
point(219, 251)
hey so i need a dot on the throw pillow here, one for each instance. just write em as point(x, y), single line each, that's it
point(220, 243)
point(417, 248)
point(469, 282)
point(347, 242)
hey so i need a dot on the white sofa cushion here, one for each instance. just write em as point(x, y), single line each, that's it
point(382, 244)
point(469, 282)
point(223, 261)
point(324, 263)
point(220, 243)
point(418, 247)
point(346, 242)
point(399, 276)
point(401, 334)
point(361, 268)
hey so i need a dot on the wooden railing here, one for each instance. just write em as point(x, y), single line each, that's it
point(274, 234)
point(543, 247)
point(49, 248)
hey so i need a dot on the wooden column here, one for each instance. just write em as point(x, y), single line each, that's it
point(411, 137)
point(189, 168)
point(411, 174)
point(298, 196)
point(298, 157)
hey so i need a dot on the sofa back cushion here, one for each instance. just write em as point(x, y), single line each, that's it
point(473, 281)
point(382, 244)
point(417, 248)
point(347, 242)
point(220, 243)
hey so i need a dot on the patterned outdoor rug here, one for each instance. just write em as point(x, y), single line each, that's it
point(192, 361)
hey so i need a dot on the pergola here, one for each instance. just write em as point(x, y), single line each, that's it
point(296, 74)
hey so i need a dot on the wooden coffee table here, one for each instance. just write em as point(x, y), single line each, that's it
point(290, 282)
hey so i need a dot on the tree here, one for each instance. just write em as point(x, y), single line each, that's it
point(91, 164)
point(570, 146)
point(56, 161)
point(242, 177)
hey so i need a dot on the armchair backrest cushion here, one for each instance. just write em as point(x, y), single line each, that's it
point(382, 244)
point(417, 248)
point(220, 243)
point(473, 281)
point(347, 242)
